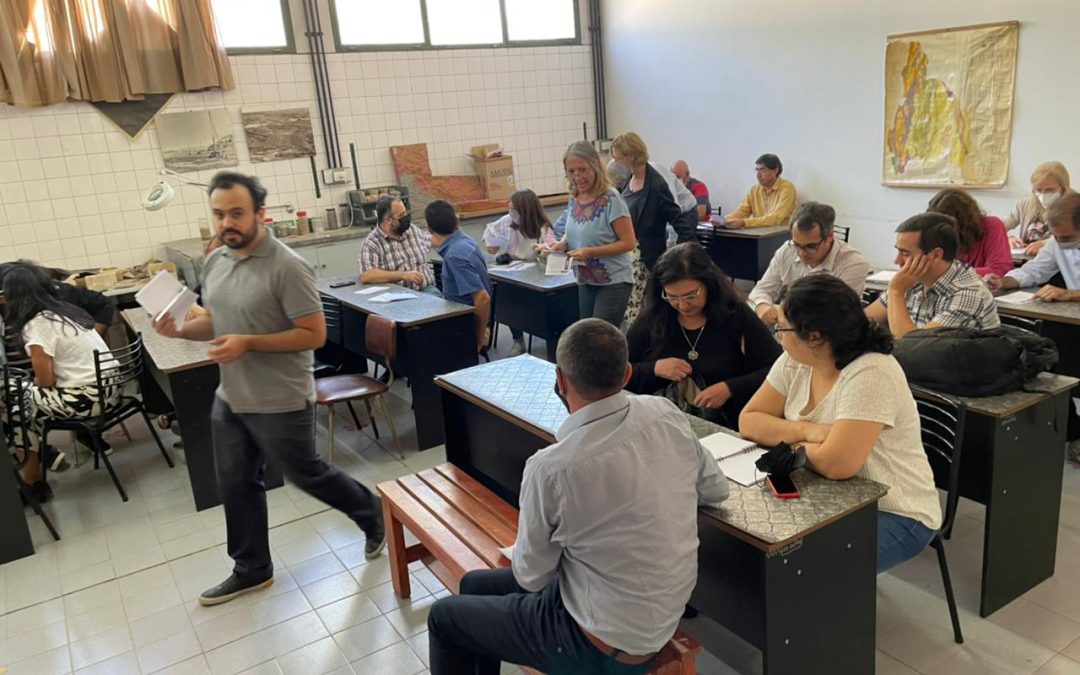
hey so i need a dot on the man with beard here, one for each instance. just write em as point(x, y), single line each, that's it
point(395, 252)
point(263, 320)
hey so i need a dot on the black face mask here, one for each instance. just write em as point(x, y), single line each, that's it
point(403, 224)
point(561, 397)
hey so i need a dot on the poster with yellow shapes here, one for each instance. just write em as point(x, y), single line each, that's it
point(948, 106)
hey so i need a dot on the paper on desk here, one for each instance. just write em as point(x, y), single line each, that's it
point(164, 294)
point(507, 551)
point(884, 276)
point(1016, 297)
point(369, 290)
point(393, 297)
point(557, 263)
point(513, 266)
point(1017, 252)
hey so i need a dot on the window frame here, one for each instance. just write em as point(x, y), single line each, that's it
point(427, 46)
point(290, 40)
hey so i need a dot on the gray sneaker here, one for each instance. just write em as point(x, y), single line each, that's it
point(232, 588)
point(376, 538)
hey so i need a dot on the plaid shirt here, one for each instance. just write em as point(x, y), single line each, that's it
point(408, 254)
point(957, 299)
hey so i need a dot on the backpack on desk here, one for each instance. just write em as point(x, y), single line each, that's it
point(970, 362)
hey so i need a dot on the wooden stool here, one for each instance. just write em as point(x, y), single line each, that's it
point(461, 525)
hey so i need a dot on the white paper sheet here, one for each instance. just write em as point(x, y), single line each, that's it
point(722, 445)
point(165, 294)
point(392, 297)
point(1016, 297)
point(557, 263)
point(371, 289)
point(736, 457)
point(513, 266)
point(884, 276)
point(1017, 252)
point(507, 551)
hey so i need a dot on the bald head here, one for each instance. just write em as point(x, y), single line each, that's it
point(681, 170)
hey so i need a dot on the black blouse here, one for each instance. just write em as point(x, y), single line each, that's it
point(739, 351)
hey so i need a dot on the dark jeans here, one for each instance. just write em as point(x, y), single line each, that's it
point(242, 443)
point(494, 619)
point(604, 302)
point(899, 539)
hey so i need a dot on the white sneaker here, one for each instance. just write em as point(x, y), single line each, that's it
point(518, 348)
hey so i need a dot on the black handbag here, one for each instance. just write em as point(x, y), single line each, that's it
point(684, 393)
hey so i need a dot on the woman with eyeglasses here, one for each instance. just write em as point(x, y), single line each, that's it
point(839, 393)
point(695, 341)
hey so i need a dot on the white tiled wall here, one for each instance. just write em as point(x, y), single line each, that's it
point(71, 184)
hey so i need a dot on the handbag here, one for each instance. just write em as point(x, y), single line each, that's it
point(683, 394)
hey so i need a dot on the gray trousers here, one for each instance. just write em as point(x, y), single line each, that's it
point(242, 444)
point(603, 302)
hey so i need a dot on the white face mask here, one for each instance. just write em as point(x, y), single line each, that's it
point(1069, 245)
point(1047, 199)
point(515, 218)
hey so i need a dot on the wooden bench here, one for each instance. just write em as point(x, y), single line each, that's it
point(460, 525)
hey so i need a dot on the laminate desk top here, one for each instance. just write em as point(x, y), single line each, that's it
point(421, 308)
point(169, 355)
point(521, 390)
point(1058, 312)
point(532, 276)
point(1044, 386)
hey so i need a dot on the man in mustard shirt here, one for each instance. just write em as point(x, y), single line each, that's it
point(768, 203)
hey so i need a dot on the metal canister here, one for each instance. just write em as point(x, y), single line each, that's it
point(331, 219)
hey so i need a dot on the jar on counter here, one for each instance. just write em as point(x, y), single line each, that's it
point(303, 224)
point(331, 219)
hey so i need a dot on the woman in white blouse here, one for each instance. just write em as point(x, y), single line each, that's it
point(839, 393)
point(518, 234)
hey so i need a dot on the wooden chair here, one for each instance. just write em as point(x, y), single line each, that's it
point(380, 335)
point(942, 421)
point(17, 435)
point(114, 370)
point(460, 526)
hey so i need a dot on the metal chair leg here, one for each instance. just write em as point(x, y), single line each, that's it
point(356, 419)
point(330, 430)
point(939, 546)
point(127, 433)
point(393, 428)
point(75, 450)
point(530, 343)
point(99, 452)
point(154, 433)
point(28, 495)
point(371, 416)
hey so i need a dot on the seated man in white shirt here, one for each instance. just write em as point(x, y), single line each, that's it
point(812, 250)
point(1061, 254)
point(606, 550)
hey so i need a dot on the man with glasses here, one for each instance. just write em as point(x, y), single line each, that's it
point(767, 204)
point(812, 250)
point(395, 252)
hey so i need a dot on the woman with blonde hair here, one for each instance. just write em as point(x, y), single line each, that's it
point(1049, 181)
point(598, 238)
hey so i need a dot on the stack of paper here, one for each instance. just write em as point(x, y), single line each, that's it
point(166, 295)
point(882, 277)
point(1016, 297)
point(1019, 251)
point(736, 456)
point(371, 289)
point(558, 263)
point(393, 297)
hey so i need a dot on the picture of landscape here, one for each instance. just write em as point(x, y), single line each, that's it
point(279, 134)
point(201, 139)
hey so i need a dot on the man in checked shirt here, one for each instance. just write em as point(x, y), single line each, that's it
point(395, 251)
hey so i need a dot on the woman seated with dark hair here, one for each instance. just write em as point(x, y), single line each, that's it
point(695, 340)
point(984, 244)
point(839, 393)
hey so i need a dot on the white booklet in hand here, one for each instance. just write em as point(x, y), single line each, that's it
point(736, 457)
point(166, 295)
point(558, 263)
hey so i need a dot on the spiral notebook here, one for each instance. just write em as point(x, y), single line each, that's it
point(736, 457)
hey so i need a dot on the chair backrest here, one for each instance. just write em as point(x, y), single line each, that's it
point(17, 413)
point(1033, 325)
point(942, 421)
point(841, 232)
point(381, 337)
point(117, 367)
point(331, 308)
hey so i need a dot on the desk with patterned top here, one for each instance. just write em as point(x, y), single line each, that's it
point(534, 302)
point(788, 576)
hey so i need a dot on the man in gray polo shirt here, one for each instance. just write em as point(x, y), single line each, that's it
point(264, 320)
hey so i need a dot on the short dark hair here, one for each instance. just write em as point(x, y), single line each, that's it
point(223, 180)
point(936, 230)
point(384, 207)
point(593, 355)
point(965, 210)
point(1066, 209)
point(770, 162)
point(823, 304)
point(814, 213)
point(441, 217)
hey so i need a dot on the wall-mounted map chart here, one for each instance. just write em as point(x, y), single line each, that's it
point(948, 106)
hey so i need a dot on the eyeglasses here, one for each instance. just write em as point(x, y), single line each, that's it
point(806, 248)
point(675, 299)
point(776, 329)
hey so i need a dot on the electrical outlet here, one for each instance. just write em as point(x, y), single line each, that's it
point(335, 176)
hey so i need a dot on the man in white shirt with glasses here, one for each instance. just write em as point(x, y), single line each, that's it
point(813, 249)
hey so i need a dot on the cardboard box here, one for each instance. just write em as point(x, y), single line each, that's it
point(155, 267)
point(495, 170)
point(103, 280)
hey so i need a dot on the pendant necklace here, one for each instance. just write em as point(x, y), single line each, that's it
point(693, 353)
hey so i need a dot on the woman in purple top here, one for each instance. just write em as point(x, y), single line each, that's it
point(984, 244)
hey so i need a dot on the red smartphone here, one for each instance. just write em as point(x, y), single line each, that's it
point(783, 487)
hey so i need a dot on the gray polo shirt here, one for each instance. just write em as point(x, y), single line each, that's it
point(257, 295)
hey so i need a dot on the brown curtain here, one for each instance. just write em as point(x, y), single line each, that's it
point(107, 50)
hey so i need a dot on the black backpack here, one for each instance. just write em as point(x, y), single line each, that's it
point(971, 362)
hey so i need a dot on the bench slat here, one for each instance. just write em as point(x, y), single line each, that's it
point(476, 510)
point(439, 540)
point(507, 513)
point(478, 540)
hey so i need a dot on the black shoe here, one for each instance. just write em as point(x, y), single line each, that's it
point(84, 440)
point(231, 588)
point(54, 459)
point(42, 491)
point(376, 538)
point(689, 612)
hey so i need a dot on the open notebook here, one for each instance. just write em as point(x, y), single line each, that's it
point(736, 457)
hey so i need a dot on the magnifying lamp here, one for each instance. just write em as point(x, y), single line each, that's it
point(162, 193)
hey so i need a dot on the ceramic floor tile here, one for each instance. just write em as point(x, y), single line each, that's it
point(314, 659)
point(36, 616)
point(317, 568)
point(101, 647)
point(331, 589)
point(53, 662)
point(146, 604)
point(366, 638)
point(273, 610)
point(196, 665)
point(92, 598)
point(1037, 624)
point(138, 560)
point(96, 621)
point(268, 668)
point(394, 660)
point(240, 655)
point(145, 581)
point(170, 651)
point(1060, 665)
point(419, 645)
point(297, 632)
point(387, 600)
point(353, 610)
point(159, 626)
point(412, 618)
point(34, 642)
point(1073, 650)
point(124, 664)
point(236, 623)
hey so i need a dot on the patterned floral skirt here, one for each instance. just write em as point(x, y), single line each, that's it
point(58, 403)
point(641, 275)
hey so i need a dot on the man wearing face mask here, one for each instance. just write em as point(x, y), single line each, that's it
point(573, 600)
point(1061, 254)
point(395, 252)
point(932, 289)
